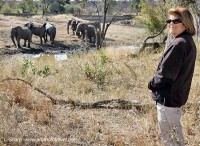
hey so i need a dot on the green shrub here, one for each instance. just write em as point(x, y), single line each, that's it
point(152, 16)
point(6, 9)
point(28, 67)
point(69, 9)
point(97, 71)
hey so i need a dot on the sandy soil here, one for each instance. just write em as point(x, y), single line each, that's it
point(63, 41)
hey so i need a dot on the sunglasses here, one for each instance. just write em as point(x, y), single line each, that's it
point(175, 21)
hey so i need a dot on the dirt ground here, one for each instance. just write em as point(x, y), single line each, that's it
point(117, 35)
point(63, 41)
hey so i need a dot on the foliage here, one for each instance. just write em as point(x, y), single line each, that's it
point(97, 71)
point(69, 9)
point(1, 4)
point(6, 9)
point(82, 3)
point(112, 4)
point(54, 5)
point(28, 6)
point(28, 66)
point(135, 5)
point(77, 9)
point(153, 16)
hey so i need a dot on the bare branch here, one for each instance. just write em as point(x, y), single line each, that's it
point(97, 11)
point(35, 88)
point(122, 103)
point(149, 37)
point(107, 25)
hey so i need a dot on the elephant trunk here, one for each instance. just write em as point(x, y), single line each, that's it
point(68, 28)
point(78, 34)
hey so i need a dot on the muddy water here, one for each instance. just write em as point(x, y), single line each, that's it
point(57, 56)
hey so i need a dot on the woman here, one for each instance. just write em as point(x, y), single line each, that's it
point(171, 83)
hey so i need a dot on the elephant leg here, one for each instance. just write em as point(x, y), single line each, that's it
point(94, 40)
point(18, 43)
point(24, 43)
point(13, 40)
point(29, 42)
point(46, 37)
point(83, 35)
point(41, 42)
point(52, 40)
point(45, 40)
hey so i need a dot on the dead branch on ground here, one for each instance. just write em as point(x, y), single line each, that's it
point(121, 103)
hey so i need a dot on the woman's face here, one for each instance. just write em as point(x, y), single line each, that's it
point(176, 27)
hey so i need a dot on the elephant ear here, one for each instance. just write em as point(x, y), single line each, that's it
point(29, 25)
point(26, 25)
point(14, 32)
point(44, 25)
point(17, 31)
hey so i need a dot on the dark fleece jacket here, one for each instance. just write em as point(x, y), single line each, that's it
point(172, 80)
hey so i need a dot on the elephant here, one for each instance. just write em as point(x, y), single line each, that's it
point(90, 34)
point(69, 24)
point(73, 23)
point(51, 31)
point(88, 28)
point(21, 33)
point(80, 30)
point(37, 30)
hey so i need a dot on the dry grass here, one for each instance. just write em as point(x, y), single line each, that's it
point(127, 77)
point(29, 118)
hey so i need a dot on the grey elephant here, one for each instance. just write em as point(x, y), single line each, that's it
point(80, 31)
point(90, 34)
point(69, 24)
point(87, 30)
point(37, 30)
point(51, 31)
point(73, 23)
point(93, 35)
point(21, 33)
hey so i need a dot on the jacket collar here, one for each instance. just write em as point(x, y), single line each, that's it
point(183, 33)
point(169, 46)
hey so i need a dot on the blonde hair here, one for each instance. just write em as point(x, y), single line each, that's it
point(186, 18)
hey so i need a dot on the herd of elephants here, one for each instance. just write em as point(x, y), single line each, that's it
point(87, 31)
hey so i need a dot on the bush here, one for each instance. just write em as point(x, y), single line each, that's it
point(97, 71)
point(152, 16)
point(28, 67)
point(6, 9)
point(69, 9)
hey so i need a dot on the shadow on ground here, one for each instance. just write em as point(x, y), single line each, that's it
point(47, 48)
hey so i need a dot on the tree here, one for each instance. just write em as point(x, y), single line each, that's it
point(47, 3)
point(27, 6)
point(153, 16)
point(102, 31)
point(135, 6)
point(81, 4)
point(1, 4)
